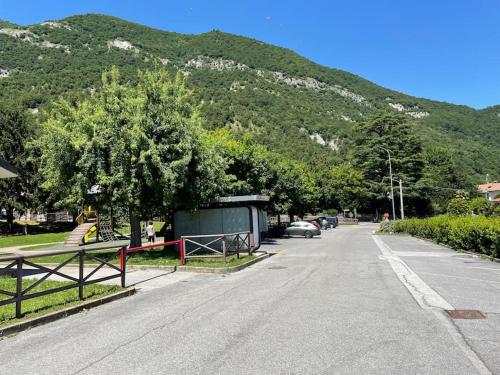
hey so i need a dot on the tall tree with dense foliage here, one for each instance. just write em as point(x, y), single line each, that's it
point(292, 188)
point(252, 169)
point(247, 165)
point(17, 129)
point(343, 187)
point(140, 144)
point(441, 179)
point(395, 133)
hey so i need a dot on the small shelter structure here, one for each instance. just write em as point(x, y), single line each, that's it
point(7, 170)
point(225, 215)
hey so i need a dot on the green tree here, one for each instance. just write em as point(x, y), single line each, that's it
point(139, 143)
point(247, 165)
point(252, 169)
point(17, 131)
point(441, 179)
point(292, 188)
point(344, 187)
point(396, 133)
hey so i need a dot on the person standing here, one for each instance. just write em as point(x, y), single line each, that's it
point(150, 230)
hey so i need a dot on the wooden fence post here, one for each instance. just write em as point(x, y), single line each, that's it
point(123, 264)
point(19, 287)
point(81, 256)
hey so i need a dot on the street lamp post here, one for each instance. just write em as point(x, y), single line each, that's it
point(392, 187)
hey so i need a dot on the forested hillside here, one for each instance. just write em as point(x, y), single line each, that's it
point(292, 105)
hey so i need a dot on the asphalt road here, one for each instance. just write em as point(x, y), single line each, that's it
point(330, 305)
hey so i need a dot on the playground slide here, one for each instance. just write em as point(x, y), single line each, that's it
point(79, 234)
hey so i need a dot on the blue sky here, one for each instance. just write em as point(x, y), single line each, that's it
point(439, 49)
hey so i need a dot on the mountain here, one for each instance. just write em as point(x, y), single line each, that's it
point(291, 104)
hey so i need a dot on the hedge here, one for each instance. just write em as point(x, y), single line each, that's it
point(479, 234)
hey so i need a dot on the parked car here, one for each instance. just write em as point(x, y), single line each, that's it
point(333, 221)
point(302, 228)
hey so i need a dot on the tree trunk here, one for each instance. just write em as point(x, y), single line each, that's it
point(10, 219)
point(135, 229)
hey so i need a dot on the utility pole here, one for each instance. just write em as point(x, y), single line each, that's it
point(392, 187)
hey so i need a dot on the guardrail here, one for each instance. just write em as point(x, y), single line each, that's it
point(217, 246)
point(15, 267)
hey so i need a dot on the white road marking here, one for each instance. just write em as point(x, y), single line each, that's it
point(425, 296)
point(429, 299)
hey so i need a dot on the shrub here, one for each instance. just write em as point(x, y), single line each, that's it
point(479, 234)
point(387, 226)
point(481, 206)
point(458, 207)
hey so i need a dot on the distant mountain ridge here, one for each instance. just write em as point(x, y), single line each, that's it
point(242, 83)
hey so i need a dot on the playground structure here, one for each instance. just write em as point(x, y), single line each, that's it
point(7, 170)
point(90, 223)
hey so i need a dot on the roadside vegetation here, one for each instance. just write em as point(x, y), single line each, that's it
point(472, 225)
point(48, 303)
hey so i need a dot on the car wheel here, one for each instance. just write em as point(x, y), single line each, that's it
point(308, 234)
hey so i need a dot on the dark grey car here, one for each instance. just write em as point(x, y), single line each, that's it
point(303, 229)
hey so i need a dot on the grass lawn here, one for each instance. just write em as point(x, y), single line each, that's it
point(51, 302)
point(31, 239)
point(154, 258)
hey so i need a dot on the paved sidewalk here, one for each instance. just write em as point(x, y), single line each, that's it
point(464, 281)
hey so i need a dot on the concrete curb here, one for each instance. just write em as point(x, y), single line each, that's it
point(222, 270)
point(478, 255)
point(56, 315)
point(150, 267)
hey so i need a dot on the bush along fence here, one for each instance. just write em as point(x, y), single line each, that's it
point(479, 234)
